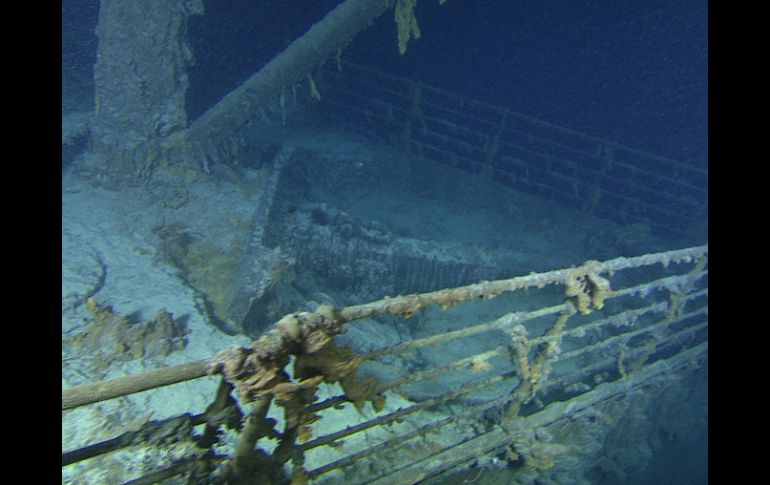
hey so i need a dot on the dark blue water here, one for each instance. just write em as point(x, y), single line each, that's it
point(630, 71)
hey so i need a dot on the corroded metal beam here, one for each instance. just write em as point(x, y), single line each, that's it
point(324, 39)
